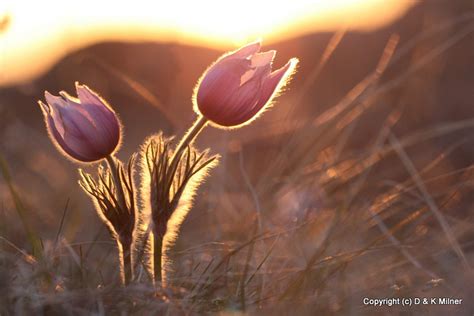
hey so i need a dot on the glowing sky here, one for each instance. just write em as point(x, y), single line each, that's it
point(40, 32)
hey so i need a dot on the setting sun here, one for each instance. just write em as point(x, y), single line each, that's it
point(51, 29)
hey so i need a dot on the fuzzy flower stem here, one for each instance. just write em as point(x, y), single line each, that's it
point(159, 232)
point(192, 133)
point(127, 261)
point(125, 241)
point(157, 253)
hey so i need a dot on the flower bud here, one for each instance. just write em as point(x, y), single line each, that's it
point(85, 128)
point(239, 85)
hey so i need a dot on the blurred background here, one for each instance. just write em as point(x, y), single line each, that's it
point(373, 75)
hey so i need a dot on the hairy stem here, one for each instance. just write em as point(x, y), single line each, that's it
point(157, 252)
point(127, 261)
point(188, 138)
point(125, 241)
point(158, 234)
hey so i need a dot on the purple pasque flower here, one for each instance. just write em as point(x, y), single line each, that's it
point(239, 85)
point(84, 128)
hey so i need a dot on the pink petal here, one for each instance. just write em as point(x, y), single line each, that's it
point(262, 59)
point(221, 80)
point(58, 139)
point(45, 108)
point(242, 104)
point(82, 147)
point(88, 97)
point(238, 106)
point(259, 61)
point(77, 122)
point(93, 103)
point(54, 104)
point(246, 51)
point(273, 82)
point(104, 118)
